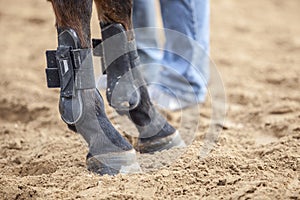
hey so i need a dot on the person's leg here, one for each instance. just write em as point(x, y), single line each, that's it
point(186, 49)
point(145, 22)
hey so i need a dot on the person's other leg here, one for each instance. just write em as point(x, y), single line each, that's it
point(187, 70)
point(145, 22)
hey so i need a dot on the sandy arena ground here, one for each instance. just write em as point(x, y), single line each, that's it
point(256, 46)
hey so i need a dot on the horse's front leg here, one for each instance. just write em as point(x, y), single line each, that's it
point(126, 89)
point(81, 106)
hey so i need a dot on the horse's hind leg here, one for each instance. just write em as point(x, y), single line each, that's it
point(121, 66)
point(81, 106)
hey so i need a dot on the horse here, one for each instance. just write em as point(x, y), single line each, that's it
point(81, 106)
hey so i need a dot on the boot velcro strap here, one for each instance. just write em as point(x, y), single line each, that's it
point(98, 52)
point(78, 61)
point(97, 47)
point(52, 73)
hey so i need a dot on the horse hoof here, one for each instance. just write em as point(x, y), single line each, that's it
point(114, 163)
point(171, 141)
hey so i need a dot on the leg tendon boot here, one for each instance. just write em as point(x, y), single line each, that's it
point(82, 109)
point(121, 91)
point(156, 134)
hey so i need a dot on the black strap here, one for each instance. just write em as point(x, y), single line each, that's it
point(52, 74)
point(97, 47)
point(98, 51)
point(70, 69)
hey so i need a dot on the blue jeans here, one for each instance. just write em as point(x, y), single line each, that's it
point(184, 58)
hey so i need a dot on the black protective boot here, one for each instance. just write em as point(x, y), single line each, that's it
point(81, 107)
point(127, 87)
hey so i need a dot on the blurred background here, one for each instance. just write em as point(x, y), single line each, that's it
point(256, 47)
